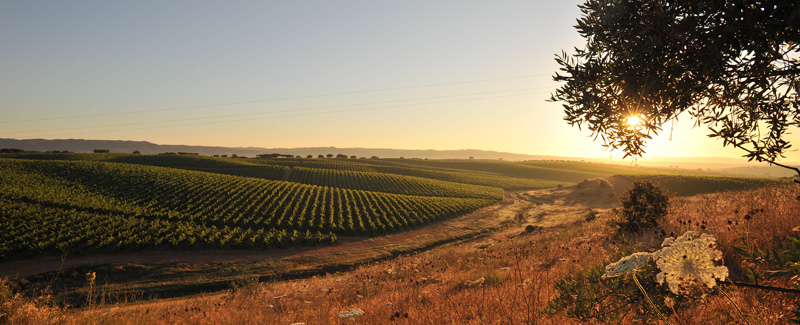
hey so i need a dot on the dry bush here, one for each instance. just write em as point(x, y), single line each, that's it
point(17, 309)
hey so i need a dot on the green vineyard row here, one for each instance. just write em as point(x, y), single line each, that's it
point(686, 185)
point(103, 205)
point(422, 171)
point(391, 183)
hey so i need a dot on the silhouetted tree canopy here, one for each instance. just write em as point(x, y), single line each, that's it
point(733, 66)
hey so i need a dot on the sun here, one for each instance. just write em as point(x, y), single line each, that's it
point(634, 121)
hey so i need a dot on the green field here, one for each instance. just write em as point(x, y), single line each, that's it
point(50, 206)
point(688, 185)
point(86, 203)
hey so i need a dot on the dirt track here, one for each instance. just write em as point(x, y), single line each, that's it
point(26, 268)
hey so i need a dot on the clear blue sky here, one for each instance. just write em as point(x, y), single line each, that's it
point(388, 74)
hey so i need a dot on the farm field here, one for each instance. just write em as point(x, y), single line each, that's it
point(400, 162)
point(85, 203)
point(91, 203)
point(174, 226)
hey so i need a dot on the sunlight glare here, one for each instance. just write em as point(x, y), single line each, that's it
point(634, 121)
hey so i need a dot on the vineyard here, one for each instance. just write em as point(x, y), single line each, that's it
point(690, 185)
point(384, 182)
point(50, 206)
point(105, 202)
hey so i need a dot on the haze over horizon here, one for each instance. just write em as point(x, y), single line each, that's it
point(446, 75)
point(144, 147)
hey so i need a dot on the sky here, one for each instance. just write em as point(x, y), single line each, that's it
point(283, 74)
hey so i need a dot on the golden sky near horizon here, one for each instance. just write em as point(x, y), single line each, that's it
point(405, 75)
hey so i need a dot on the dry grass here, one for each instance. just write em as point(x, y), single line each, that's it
point(440, 286)
point(757, 218)
point(431, 287)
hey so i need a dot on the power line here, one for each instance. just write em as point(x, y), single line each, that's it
point(271, 112)
point(271, 100)
point(302, 114)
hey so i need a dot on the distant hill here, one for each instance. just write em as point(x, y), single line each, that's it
point(732, 166)
point(120, 146)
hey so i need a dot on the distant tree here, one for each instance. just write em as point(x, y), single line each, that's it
point(733, 66)
point(320, 156)
point(374, 157)
point(310, 156)
point(234, 156)
point(11, 150)
point(137, 152)
point(330, 155)
point(341, 156)
point(353, 157)
point(276, 155)
point(101, 151)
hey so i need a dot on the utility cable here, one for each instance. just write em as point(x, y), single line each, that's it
point(270, 112)
point(296, 115)
point(270, 100)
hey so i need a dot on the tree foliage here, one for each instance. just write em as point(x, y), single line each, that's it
point(733, 66)
point(644, 206)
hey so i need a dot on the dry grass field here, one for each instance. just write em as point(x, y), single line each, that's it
point(508, 277)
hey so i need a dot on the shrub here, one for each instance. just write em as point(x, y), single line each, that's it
point(591, 215)
point(589, 297)
point(18, 309)
point(782, 261)
point(6, 301)
point(532, 228)
point(644, 205)
point(247, 286)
